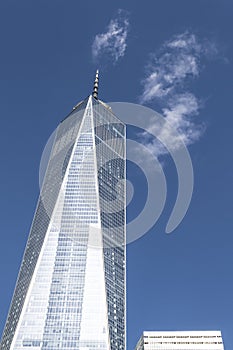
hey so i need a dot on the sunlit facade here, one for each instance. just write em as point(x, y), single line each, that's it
point(181, 340)
point(70, 292)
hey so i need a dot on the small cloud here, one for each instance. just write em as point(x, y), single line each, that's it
point(113, 41)
point(180, 127)
point(168, 72)
point(178, 60)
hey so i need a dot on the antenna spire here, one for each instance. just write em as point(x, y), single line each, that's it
point(96, 85)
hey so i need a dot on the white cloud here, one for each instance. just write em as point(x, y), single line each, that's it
point(178, 60)
point(113, 41)
point(168, 73)
point(180, 125)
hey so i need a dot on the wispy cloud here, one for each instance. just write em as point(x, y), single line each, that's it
point(169, 72)
point(181, 125)
point(113, 42)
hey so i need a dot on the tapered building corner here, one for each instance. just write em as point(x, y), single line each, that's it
point(70, 291)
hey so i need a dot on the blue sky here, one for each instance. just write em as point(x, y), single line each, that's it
point(49, 53)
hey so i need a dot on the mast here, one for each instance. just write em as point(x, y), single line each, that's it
point(96, 85)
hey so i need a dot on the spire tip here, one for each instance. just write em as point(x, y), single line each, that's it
point(96, 85)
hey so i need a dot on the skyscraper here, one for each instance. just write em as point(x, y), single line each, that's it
point(180, 340)
point(70, 291)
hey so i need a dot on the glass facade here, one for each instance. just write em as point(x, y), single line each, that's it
point(70, 292)
point(181, 340)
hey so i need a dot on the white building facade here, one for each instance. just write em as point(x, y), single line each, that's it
point(70, 292)
point(180, 340)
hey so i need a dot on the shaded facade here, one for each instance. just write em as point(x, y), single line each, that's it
point(70, 292)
